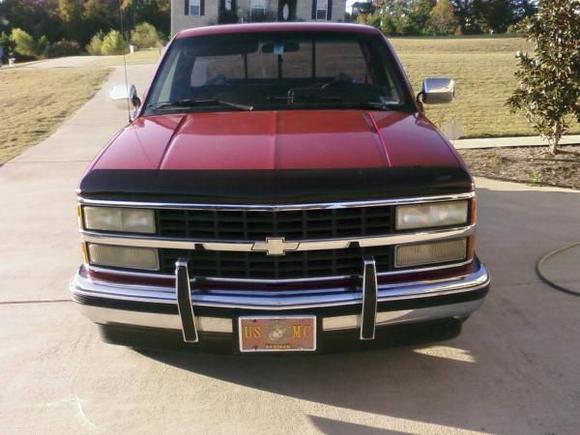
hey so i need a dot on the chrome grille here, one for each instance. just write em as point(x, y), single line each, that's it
point(293, 265)
point(249, 225)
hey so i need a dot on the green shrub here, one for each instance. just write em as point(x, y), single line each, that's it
point(145, 36)
point(114, 43)
point(43, 44)
point(96, 45)
point(24, 44)
point(63, 48)
point(442, 19)
point(7, 44)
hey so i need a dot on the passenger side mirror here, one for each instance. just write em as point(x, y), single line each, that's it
point(437, 91)
point(123, 94)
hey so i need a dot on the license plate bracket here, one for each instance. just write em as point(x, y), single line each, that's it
point(297, 333)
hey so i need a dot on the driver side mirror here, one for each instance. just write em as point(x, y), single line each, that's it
point(122, 95)
point(437, 90)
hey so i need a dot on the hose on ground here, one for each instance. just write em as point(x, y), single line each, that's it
point(548, 281)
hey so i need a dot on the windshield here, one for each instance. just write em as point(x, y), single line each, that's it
point(276, 71)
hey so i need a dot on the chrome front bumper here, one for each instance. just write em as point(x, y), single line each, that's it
point(214, 310)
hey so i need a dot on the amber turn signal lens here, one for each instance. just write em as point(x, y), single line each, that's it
point(123, 257)
point(431, 253)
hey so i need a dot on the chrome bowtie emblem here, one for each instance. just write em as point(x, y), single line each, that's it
point(275, 246)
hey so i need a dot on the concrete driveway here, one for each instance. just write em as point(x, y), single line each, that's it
point(514, 370)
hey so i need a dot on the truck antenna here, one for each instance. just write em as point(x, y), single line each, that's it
point(129, 97)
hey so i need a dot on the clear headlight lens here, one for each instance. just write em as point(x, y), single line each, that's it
point(129, 220)
point(429, 253)
point(435, 214)
point(124, 257)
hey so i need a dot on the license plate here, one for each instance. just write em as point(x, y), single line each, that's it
point(277, 334)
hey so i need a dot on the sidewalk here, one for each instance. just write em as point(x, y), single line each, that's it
point(518, 141)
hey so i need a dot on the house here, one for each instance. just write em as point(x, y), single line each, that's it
point(196, 13)
point(361, 7)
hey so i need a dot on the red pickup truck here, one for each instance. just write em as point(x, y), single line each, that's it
point(278, 189)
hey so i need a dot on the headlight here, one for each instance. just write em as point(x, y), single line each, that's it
point(129, 220)
point(434, 214)
point(429, 253)
point(124, 257)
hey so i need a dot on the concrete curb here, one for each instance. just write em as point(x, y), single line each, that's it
point(505, 142)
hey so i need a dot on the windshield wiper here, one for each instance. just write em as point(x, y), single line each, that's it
point(200, 102)
point(309, 98)
point(378, 105)
point(318, 98)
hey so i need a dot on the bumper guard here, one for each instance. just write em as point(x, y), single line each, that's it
point(407, 302)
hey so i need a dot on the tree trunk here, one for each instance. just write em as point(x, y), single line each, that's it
point(555, 142)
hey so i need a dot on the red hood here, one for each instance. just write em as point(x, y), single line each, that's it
point(292, 139)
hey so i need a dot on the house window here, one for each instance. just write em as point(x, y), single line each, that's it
point(195, 8)
point(257, 8)
point(322, 9)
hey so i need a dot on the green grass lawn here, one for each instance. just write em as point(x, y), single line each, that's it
point(141, 57)
point(483, 69)
point(35, 101)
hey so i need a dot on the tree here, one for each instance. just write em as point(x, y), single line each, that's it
point(24, 44)
point(549, 90)
point(155, 12)
point(419, 15)
point(463, 11)
point(7, 44)
point(442, 20)
point(35, 17)
point(94, 47)
point(70, 13)
point(42, 46)
point(523, 8)
point(144, 36)
point(114, 43)
point(394, 17)
point(398, 17)
point(70, 10)
point(492, 15)
point(98, 16)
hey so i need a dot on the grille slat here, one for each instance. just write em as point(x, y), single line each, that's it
point(293, 225)
point(250, 225)
point(256, 265)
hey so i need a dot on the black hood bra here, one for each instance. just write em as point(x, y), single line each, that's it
point(272, 187)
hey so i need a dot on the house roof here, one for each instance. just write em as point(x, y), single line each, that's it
point(276, 27)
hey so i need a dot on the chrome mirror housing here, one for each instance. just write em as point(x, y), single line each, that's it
point(125, 96)
point(437, 90)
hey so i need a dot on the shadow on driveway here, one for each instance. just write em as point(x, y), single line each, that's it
point(511, 368)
